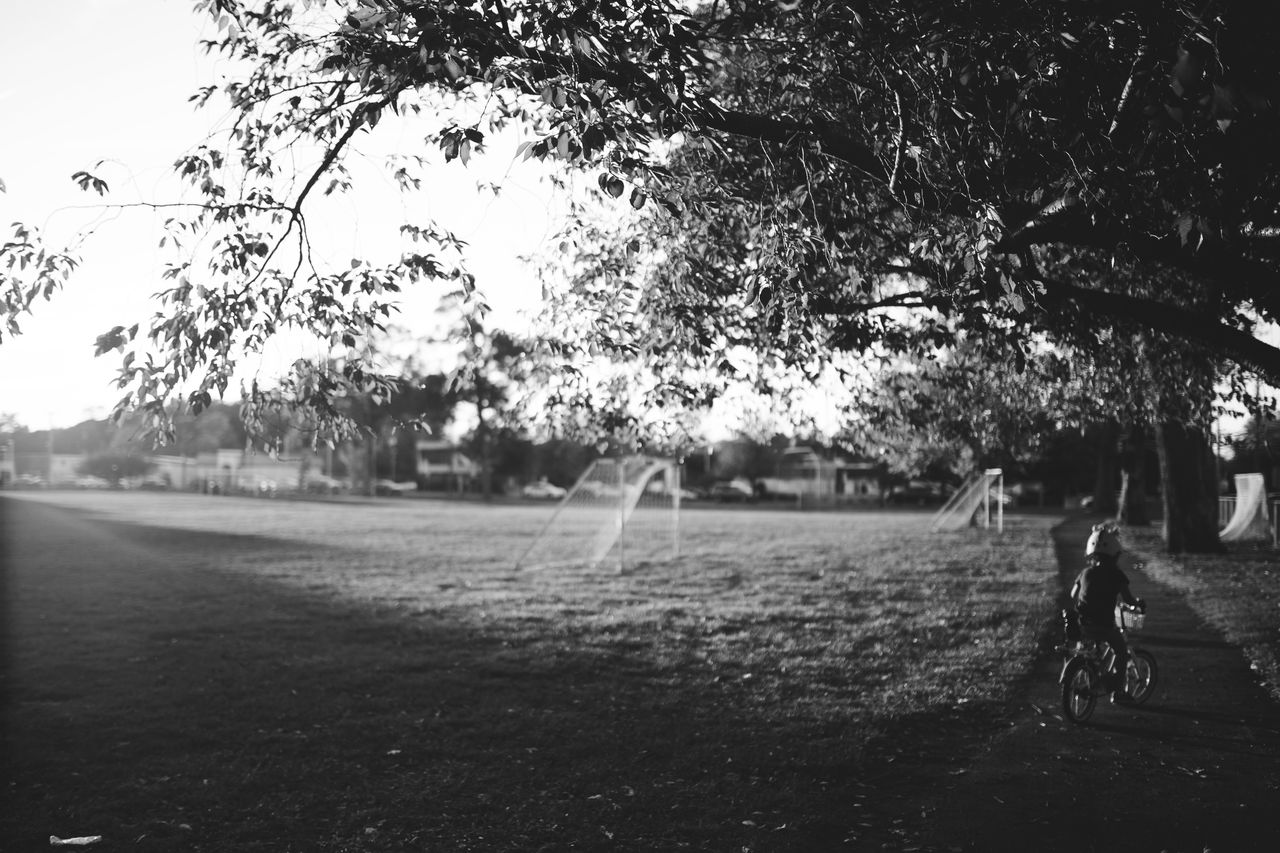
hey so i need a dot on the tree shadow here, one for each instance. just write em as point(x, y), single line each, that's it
point(1267, 721)
point(1166, 641)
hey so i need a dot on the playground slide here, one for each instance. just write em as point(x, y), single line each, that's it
point(1250, 518)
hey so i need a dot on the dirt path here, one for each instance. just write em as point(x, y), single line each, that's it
point(1195, 769)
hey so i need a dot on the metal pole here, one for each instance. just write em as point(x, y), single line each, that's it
point(986, 504)
point(1275, 524)
point(622, 515)
point(1000, 505)
point(675, 505)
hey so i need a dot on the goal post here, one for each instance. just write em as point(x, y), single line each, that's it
point(621, 511)
point(976, 492)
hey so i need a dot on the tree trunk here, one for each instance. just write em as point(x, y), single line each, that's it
point(1104, 485)
point(1190, 493)
point(1133, 509)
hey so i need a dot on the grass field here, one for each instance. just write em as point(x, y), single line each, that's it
point(1238, 592)
point(238, 674)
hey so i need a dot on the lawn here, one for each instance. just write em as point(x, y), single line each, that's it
point(240, 674)
point(1237, 592)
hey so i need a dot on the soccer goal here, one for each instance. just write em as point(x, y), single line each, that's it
point(621, 513)
point(1250, 520)
point(979, 491)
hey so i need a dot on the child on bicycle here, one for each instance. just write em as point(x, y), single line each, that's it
point(1094, 596)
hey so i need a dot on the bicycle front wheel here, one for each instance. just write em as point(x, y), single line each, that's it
point(1140, 675)
point(1079, 691)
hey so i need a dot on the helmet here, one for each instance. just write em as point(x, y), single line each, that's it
point(1103, 541)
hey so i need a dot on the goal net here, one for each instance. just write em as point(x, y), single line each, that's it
point(976, 498)
point(620, 513)
point(1249, 521)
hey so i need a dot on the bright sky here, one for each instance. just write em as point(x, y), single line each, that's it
point(92, 80)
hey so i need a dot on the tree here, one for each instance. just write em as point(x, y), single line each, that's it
point(115, 466)
point(958, 160)
point(491, 364)
point(966, 406)
point(1256, 449)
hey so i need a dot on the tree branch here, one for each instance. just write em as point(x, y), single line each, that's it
point(1236, 344)
point(1067, 222)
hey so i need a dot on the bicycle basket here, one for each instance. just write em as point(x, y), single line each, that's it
point(1130, 620)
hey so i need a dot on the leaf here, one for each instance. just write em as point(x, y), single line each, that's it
point(109, 341)
point(593, 140)
point(88, 182)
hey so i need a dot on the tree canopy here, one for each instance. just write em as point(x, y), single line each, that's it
point(808, 177)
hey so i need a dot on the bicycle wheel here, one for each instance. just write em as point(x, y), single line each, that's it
point(1140, 675)
point(1079, 693)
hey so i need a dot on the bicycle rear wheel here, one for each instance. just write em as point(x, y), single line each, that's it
point(1079, 691)
point(1140, 675)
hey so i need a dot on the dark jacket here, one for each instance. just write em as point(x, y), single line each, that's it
point(1096, 589)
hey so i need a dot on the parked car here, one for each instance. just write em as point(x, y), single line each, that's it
point(390, 488)
point(594, 489)
point(659, 488)
point(320, 484)
point(732, 491)
point(918, 493)
point(543, 490)
point(88, 481)
point(29, 481)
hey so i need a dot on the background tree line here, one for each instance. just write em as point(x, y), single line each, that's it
point(1066, 463)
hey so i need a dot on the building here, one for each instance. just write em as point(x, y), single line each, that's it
point(813, 476)
point(8, 463)
point(174, 472)
point(443, 467)
point(245, 471)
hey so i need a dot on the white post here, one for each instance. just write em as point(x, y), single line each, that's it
point(1000, 504)
point(675, 509)
point(998, 475)
point(622, 515)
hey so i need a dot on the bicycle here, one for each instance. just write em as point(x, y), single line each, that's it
point(1088, 664)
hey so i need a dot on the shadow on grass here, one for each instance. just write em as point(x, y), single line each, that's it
point(157, 698)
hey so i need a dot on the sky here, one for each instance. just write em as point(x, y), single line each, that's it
point(102, 85)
